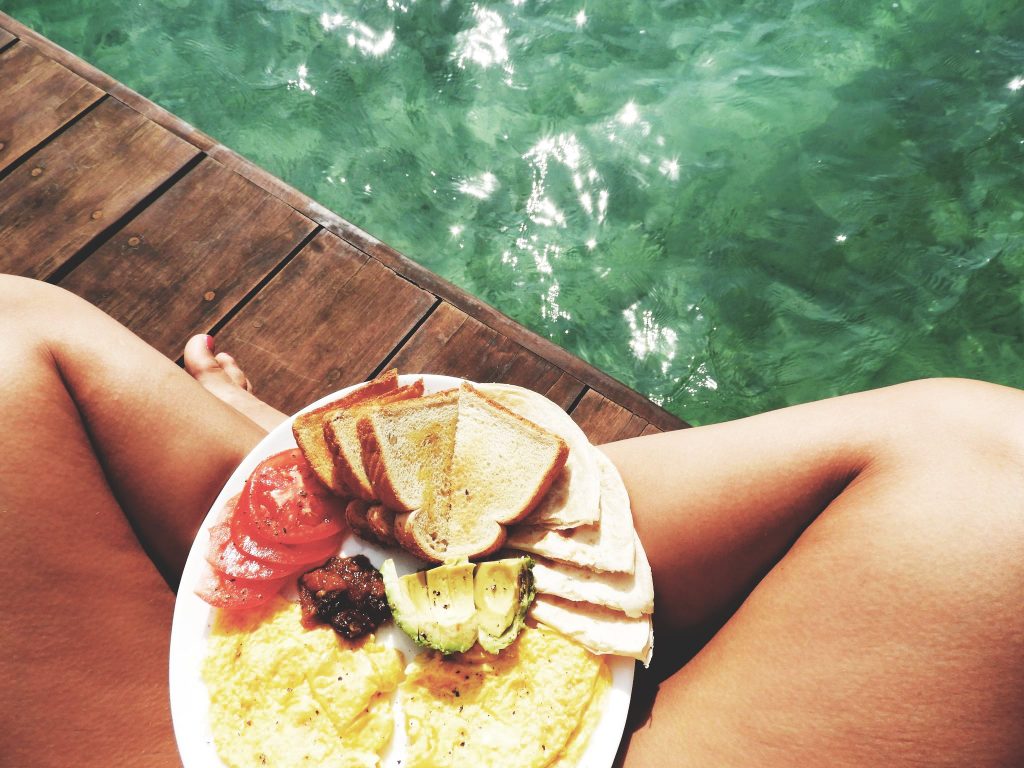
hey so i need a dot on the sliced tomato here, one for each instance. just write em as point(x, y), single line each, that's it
point(287, 504)
point(227, 559)
point(248, 541)
point(281, 554)
point(236, 594)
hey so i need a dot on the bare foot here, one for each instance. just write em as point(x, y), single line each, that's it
point(220, 374)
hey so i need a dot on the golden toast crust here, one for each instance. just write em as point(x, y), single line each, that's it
point(307, 429)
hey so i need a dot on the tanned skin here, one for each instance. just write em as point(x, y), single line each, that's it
point(855, 565)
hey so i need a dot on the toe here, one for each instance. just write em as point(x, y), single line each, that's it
point(230, 366)
point(220, 375)
point(198, 357)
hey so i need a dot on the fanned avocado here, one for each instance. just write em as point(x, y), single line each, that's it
point(503, 591)
point(448, 608)
point(435, 608)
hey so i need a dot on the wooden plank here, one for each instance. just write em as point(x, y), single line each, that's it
point(105, 82)
point(565, 390)
point(633, 428)
point(190, 257)
point(39, 96)
point(453, 343)
point(6, 38)
point(605, 421)
point(80, 184)
point(325, 321)
point(650, 429)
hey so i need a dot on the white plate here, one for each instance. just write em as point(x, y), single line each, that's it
point(193, 618)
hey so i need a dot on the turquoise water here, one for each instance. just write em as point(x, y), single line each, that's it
point(730, 206)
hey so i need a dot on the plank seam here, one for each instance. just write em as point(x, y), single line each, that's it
point(405, 339)
point(101, 239)
point(579, 398)
point(275, 270)
point(8, 44)
point(28, 154)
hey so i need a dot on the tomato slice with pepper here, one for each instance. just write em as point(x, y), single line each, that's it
point(287, 504)
point(246, 540)
point(236, 594)
point(227, 559)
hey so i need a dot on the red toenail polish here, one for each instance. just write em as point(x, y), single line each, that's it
point(209, 342)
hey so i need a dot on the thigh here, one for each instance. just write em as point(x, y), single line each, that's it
point(162, 443)
point(890, 632)
point(104, 442)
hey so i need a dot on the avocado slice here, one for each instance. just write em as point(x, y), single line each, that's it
point(435, 608)
point(503, 591)
point(407, 597)
point(450, 607)
point(450, 593)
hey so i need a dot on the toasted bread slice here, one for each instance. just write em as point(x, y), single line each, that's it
point(407, 447)
point(342, 439)
point(503, 463)
point(309, 432)
point(574, 497)
point(501, 466)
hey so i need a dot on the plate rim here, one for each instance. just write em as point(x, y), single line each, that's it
point(190, 720)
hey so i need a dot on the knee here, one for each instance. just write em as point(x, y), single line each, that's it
point(964, 416)
point(964, 452)
point(28, 308)
point(22, 295)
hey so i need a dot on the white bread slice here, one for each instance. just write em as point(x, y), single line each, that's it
point(341, 435)
point(501, 466)
point(407, 447)
point(574, 496)
point(308, 428)
point(597, 629)
point(608, 546)
point(631, 593)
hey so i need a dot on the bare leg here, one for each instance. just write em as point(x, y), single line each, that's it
point(105, 444)
point(891, 631)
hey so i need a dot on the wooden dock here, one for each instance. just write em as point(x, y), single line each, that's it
point(114, 198)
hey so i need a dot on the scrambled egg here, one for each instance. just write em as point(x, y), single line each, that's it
point(281, 695)
point(533, 705)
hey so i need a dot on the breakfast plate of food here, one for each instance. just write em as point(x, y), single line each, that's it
point(412, 572)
